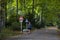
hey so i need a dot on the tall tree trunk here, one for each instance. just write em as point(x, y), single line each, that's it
point(33, 7)
point(17, 10)
point(2, 13)
point(33, 13)
point(43, 6)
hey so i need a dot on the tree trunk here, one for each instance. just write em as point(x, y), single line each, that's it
point(2, 14)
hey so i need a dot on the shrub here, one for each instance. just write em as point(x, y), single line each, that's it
point(15, 26)
point(58, 23)
point(59, 26)
point(5, 33)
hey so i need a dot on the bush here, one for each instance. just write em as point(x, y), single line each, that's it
point(50, 24)
point(59, 26)
point(5, 33)
point(3, 36)
point(15, 26)
point(58, 23)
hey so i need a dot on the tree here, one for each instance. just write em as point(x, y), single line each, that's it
point(39, 11)
point(2, 13)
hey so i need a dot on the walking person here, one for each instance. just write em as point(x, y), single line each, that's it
point(29, 27)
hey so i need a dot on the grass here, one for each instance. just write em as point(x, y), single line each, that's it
point(6, 32)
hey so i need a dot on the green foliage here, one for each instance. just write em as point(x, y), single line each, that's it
point(58, 26)
point(58, 23)
point(40, 13)
point(7, 32)
point(15, 26)
point(46, 9)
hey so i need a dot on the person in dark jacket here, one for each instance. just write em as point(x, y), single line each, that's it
point(29, 27)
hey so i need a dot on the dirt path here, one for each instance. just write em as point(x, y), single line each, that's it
point(41, 34)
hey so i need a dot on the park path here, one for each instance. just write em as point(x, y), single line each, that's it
point(40, 34)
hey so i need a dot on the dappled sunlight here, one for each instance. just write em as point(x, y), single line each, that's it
point(30, 19)
point(53, 28)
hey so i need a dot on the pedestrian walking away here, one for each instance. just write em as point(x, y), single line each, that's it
point(29, 27)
